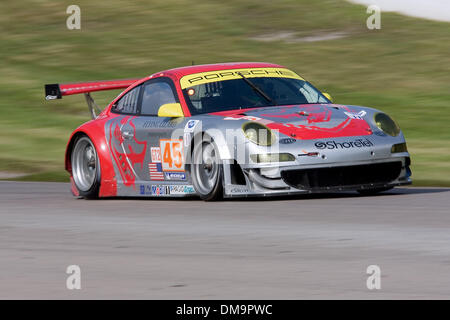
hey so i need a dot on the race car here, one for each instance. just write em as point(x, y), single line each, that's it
point(229, 130)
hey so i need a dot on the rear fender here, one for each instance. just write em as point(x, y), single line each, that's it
point(95, 131)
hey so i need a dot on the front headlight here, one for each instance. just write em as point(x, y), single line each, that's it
point(386, 124)
point(258, 133)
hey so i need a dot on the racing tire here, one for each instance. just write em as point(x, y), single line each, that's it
point(207, 170)
point(85, 168)
point(371, 192)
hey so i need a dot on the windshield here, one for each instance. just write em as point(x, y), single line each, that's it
point(239, 94)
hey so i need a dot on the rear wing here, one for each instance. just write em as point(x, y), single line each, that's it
point(57, 91)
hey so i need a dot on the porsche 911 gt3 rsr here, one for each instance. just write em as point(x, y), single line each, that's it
point(226, 130)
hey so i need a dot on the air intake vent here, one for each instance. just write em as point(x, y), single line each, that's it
point(343, 177)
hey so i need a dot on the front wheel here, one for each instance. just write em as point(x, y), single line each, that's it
point(85, 168)
point(207, 170)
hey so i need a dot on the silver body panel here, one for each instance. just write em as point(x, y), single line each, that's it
point(261, 179)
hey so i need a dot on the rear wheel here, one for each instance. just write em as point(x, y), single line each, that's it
point(85, 168)
point(370, 192)
point(207, 170)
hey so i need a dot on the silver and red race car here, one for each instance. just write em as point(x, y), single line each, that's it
point(229, 130)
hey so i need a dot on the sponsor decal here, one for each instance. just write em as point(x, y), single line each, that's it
point(175, 175)
point(238, 190)
point(154, 190)
point(159, 124)
point(181, 189)
point(213, 76)
point(149, 190)
point(155, 170)
point(190, 125)
point(160, 190)
point(156, 154)
point(358, 116)
point(287, 140)
point(358, 143)
point(143, 189)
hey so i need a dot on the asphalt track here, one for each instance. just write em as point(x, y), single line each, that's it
point(314, 247)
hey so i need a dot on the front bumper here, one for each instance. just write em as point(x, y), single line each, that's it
point(316, 178)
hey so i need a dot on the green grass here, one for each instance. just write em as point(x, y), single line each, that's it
point(403, 69)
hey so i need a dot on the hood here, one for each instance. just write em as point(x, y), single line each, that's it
point(306, 122)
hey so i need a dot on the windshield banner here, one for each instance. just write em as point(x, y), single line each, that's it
point(222, 75)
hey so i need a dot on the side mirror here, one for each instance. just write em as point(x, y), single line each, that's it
point(172, 110)
point(327, 95)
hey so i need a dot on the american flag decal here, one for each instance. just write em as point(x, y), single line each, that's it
point(155, 170)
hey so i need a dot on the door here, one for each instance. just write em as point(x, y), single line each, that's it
point(128, 152)
point(165, 162)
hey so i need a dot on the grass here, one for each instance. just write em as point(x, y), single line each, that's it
point(403, 69)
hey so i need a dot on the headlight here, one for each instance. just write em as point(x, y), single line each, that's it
point(399, 147)
point(272, 157)
point(386, 124)
point(258, 133)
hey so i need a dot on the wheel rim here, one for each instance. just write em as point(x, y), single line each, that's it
point(206, 168)
point(84, 164)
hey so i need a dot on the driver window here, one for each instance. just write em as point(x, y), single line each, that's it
point(155, 95)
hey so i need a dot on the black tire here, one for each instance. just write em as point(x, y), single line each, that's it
point(207, 174)
point(85, 167)
point(371, 192)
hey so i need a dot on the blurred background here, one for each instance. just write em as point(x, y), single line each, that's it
point(402, 69)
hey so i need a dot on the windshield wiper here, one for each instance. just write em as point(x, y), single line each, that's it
point(254, 87)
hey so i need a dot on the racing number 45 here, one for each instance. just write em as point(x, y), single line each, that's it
point(172, 154)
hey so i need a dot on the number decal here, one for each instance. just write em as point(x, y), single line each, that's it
point(172, 154)
point(167, 159)
point(177, 154)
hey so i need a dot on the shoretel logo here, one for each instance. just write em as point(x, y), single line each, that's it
point(358, 143)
